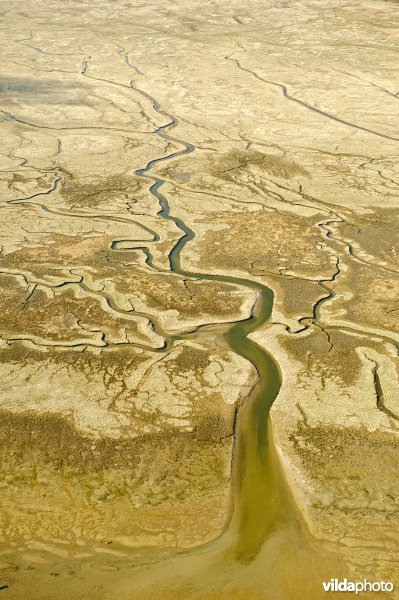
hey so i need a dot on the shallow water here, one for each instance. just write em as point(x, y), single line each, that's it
point(256, 494)
point(266, 551)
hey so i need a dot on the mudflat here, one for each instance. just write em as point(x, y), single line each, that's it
point(199, 299)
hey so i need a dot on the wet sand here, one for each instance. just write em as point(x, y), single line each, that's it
point(199, 335)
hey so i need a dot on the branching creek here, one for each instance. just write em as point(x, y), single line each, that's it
point(259, 496)
point(255, 482)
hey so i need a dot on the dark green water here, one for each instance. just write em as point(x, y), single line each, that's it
point(256, 497)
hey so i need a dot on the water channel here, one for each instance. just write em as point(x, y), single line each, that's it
point(254, 481)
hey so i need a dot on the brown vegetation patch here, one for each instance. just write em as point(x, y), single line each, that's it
point(332, 358)
point(377, 234)
point(262, 242)
point(374, 298)
point(351, 492)
point(55, 482)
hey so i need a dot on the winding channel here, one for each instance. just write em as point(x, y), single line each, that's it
point(255, 485)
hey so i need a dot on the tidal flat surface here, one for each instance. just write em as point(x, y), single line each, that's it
point(199, 276)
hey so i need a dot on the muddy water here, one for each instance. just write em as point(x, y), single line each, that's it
point(262, 553)
point(256, 491)
point(266, 552)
